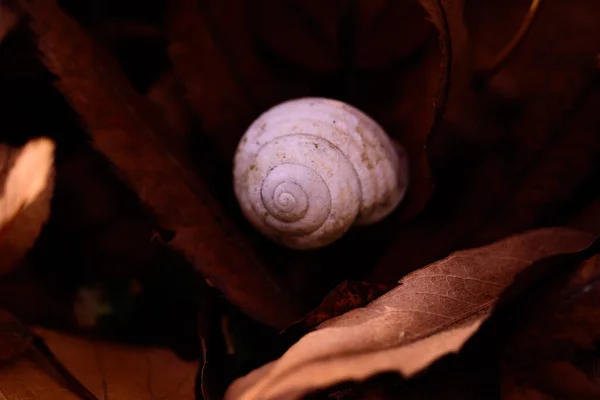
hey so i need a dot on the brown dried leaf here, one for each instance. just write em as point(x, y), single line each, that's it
point(168, 96)
point(507, 171)
point(432, 312)
point(312, 33)
point(106, 369)
point(305, 32)
point(128, 132)
point(27, 183)
point(588, 218)
point(347, 296)
point(454, 67)
point(461, 47)
point(14, 338)
point(555, 354)
point(216, 87)
point(565, 165)
point(8, 21)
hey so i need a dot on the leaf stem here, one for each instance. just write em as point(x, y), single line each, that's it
point(510, 49)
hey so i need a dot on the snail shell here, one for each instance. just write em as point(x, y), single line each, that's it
point(308, 169)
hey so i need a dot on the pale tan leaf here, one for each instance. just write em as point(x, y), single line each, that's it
point(110, 371)
point(27, 184)
point(432, 312)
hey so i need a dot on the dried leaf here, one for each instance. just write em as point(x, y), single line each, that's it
point(127, 131)
point(8, 20)
point(432, 312)
point(457, 53)
point(17, 340)
point(27, 176)
point(588, 218)
point(549, 356)
point(487, 72)
point(14, 338)
point(511, 168)
point(214, 86)
point(347, 296)
point(315, 34)
point(108, 370)
point(564, 166)
point(168, 95)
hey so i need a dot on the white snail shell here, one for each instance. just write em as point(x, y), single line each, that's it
point(308, 169)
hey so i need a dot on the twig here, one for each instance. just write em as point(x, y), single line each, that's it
point(77, 387)
point(485, 74)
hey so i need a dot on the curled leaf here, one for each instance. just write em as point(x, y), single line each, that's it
point(323, 36)
point(347, 296)
point(167, 95)
point(128, 132)
point(511, 167)
point(432, 312)
point(447, 16)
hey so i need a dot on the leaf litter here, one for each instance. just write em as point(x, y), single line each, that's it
point(556, 353)
point(516, 153)
point(108, 370)
point(551, 157)
point(131, 136)
point(532, 346)
point(433, 311)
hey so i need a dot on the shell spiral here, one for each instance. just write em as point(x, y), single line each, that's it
point(308, 169)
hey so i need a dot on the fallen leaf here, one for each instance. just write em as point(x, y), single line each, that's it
point(485, 73)
point(314, 34)
point(8, 20)
point(432, 312)
point(108, 370)
point(513, 164)
point(14, 338)
point(547, 355)
point(17, 341)
point(447, 16)
point(539, 343)
point(564, 166)
point(206, 68)
point(168, 96)
point(587, 218)
point(27, 179)
point(126, 130)
point(347, 296)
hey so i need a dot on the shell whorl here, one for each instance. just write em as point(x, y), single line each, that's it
point(308, 169)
